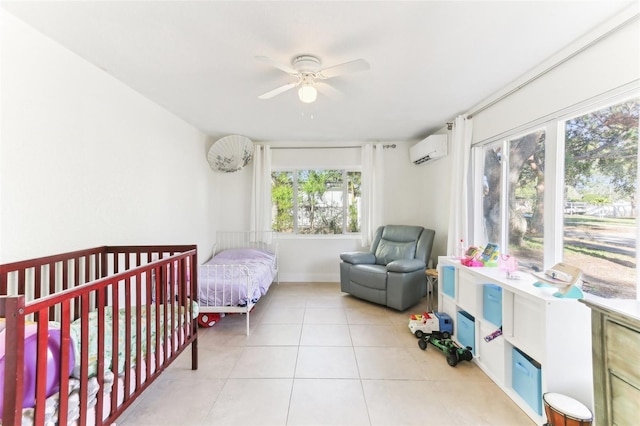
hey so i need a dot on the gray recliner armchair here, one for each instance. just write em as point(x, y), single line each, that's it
point(392, 273)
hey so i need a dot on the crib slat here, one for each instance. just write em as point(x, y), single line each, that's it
point(65, 275)
point(87, 268)
point(12, 308)
point(76, 272)
point(84, 356)
point(159, 299)
point(127, 339)
point(52, 277)
point(138, 294)
point(37, 288)
point(101, 348)
point(65, 355)
point(21, 281)
point(114, 344)
point(180, 297)
point(42, 339)
point(166, 305)
point(4, 286)
point(155, 324)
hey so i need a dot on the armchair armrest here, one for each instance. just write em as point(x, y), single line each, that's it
point(405, 265)
point(358, 257)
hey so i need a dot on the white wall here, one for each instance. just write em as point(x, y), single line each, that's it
point(434, 186)
point(609, 63)
point(86, 161)
point(316, 258)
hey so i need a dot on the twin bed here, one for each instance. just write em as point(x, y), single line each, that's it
point(83, 334)
point(243, 267)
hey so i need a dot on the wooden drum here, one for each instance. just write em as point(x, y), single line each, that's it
point(562, 410)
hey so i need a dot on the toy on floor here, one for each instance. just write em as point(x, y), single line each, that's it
point(431, 322)
point(451, 349)
point(209, 319)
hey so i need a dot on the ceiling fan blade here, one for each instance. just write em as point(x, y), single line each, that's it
point(277, 91)
point(330, 91)
point(345, 68)
point(278, 65)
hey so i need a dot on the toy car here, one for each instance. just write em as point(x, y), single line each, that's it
point(451, 349)
point(428, 323)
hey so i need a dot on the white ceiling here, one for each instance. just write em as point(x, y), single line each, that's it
point(430, 60)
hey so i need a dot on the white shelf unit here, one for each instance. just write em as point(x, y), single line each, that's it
point(555, 332)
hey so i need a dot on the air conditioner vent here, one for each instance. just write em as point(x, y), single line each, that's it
point(429, 149)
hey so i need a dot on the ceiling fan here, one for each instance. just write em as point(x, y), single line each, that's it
point(309, 74)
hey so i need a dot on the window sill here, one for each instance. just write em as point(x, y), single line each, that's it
point(287, 236)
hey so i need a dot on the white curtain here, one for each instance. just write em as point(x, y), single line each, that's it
point(459, 216)
point(261, 190)
point(371, 209)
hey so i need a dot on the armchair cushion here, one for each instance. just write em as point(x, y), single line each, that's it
point(388, 251)
point(374, 275)
point(405, 265)
point(358, 257)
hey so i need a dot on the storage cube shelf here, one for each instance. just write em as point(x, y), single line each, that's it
point(491, 353)
point(545, 344)
point(526, 379)
point(492, 303)
point(449, 281)
point(465, 330)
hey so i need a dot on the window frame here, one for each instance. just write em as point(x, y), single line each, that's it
point(554, 127)
point(345, 201)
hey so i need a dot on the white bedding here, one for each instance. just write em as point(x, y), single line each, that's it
point(92, 389)
point(236, 277)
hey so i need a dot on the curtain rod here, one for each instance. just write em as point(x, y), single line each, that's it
point(555, 65)
point(392, 146)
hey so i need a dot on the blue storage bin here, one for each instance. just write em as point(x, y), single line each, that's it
point(466, 330)
point(492, 304)
point(449, 281)
point(526, 380)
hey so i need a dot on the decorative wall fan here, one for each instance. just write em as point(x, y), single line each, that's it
point(230, 153)
point(310, 76)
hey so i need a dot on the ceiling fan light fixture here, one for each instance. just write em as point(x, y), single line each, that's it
point(307, 93)
point(307, 69)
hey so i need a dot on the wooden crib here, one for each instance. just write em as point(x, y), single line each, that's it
point(72, 318)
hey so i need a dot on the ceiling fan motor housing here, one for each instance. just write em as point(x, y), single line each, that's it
point(306, 63)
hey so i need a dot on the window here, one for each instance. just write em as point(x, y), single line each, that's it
point(599, 206)
point(587, 197)
point(492, 193)
point(526, 199)
point(513, 207)
point(316, 201)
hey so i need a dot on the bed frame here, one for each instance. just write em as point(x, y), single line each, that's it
point(263, 240)
point(67, 287)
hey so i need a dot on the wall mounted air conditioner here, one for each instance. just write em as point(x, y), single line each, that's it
point(429, 149)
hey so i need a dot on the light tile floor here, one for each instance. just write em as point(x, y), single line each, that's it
point(316, 356)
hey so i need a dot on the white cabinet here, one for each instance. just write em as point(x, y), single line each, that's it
point(552, 333)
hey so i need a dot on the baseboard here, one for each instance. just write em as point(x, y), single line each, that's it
point(309, 278)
